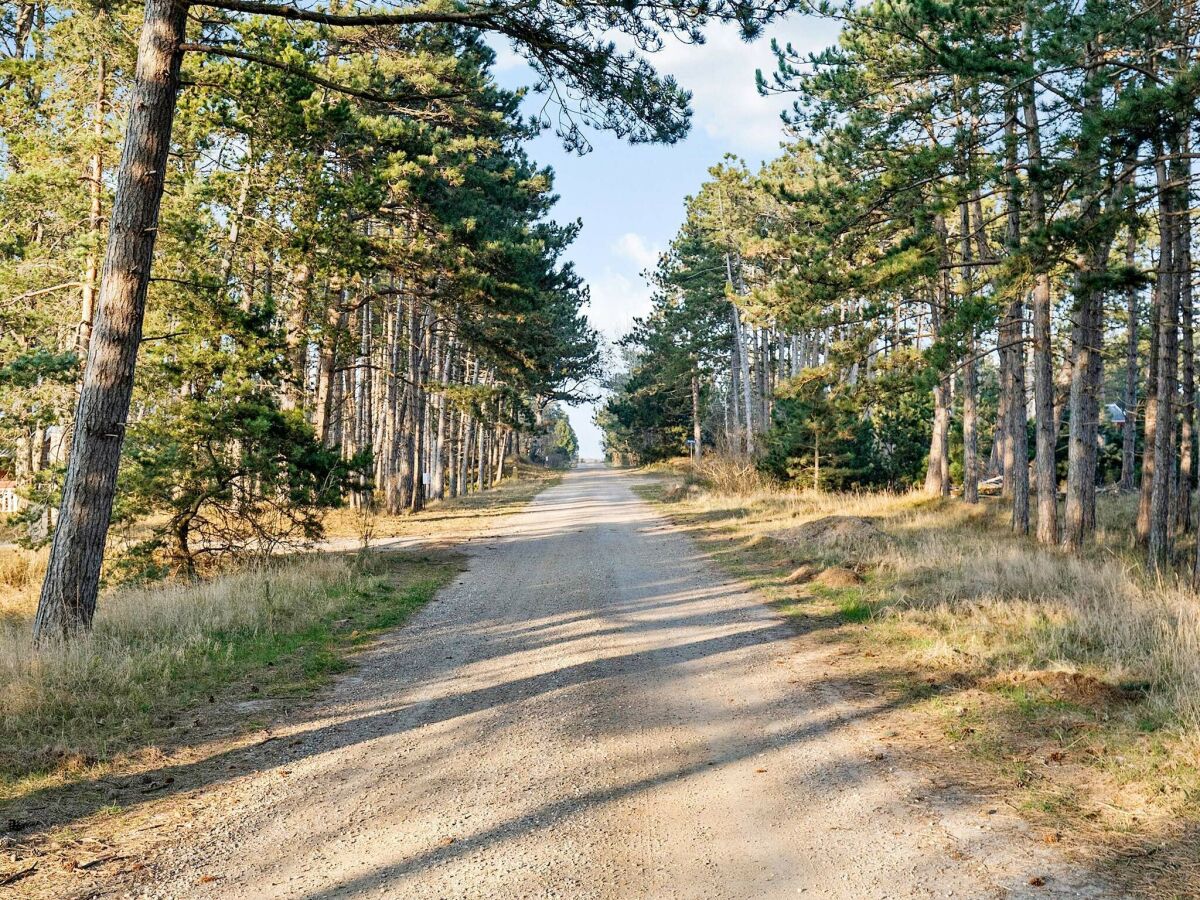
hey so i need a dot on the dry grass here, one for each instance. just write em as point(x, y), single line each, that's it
point(951, 597)
point(278, 628)
point(21, 574)
point(156, 650)
point(453, 519)
point(958, 569)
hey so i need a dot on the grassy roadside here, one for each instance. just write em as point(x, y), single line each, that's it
point(108, 745)
point(173, 667)
point(164, 663)
point(1065, 688)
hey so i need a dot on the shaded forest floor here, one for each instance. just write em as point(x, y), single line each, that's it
point(179, 681)
point(1060, 687)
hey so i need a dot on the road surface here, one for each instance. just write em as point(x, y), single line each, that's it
point(593, 711)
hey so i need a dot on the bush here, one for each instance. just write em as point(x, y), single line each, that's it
point(734, 475)
point(833, 436)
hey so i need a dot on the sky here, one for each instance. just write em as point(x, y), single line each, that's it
point(630, 198)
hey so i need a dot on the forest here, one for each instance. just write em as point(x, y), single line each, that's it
point(970, 269)
point(317, 234)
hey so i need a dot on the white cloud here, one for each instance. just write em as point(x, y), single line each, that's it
point(633, 246)
point(720, 73)
point(507, 59)
point(616, 301)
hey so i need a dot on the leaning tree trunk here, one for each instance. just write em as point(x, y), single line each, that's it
point(68, 599)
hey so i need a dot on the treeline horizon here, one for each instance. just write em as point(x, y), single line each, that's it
point(977, 237)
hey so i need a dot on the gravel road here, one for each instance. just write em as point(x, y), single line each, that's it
point(593, 711)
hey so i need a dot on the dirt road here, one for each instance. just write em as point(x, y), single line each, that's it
point(592, 710)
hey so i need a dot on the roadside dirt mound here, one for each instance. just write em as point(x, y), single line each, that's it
point(832, 576)
point(834, 531)
point(1071, 687)
point(838, 577)
point(802, 573)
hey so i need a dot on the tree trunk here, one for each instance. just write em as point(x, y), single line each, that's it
point(1129, 429)
point(68, 598)
point(1087, 381)
point(744, 377)
point(1183, 276)
point(937, 474)
point(1043, 373)
point(970, 413)
point(696, 451)
point(95, 212)
point(438, 453)
point(1149, 419)
point(327, 370)
point(1158, 544)
point(970, 399)
point(296, 383)
point(1080, 513)
point(1016, 414)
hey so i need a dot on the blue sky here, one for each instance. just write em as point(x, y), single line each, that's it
point(631, 198)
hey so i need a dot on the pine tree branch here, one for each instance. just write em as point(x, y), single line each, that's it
point(484, 18)
point(307, 75)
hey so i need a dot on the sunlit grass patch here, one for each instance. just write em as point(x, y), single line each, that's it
point(274, 630)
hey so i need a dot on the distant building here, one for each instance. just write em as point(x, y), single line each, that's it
point(1116, 415)
point(10, 500)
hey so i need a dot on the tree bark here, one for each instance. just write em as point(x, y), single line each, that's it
point(68, 598)
point(1158, 544)
point(1129, 429)
point(95, 212)
point(1043, 374)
